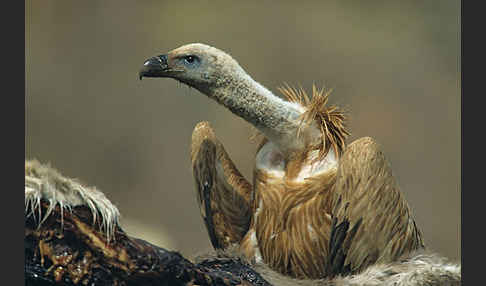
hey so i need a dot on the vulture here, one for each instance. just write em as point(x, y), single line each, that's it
point(317, 207)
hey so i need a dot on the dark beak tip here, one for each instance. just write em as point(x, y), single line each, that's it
point(154, 67)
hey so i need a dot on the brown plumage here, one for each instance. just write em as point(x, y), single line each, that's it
point(317, 208)
point(223, 194)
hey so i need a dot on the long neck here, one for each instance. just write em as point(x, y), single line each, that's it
point(276, 118)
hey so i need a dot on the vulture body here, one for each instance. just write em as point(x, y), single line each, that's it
point(317, 207)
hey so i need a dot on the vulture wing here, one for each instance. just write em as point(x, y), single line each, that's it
point(223, 194)
point(372, 222)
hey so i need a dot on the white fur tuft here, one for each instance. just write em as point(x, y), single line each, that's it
point(44, 183)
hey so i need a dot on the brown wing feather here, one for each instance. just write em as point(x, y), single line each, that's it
point(223, 193)
point(367, 200)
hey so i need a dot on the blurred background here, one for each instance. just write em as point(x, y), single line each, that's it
point(395, 65)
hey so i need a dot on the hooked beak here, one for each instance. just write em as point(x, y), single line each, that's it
point(155, 67)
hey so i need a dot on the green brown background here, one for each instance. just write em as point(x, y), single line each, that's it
point(394, 65)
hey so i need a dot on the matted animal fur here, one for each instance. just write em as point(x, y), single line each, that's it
point(44, 182)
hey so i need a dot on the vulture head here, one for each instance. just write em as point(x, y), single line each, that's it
point(197, 65)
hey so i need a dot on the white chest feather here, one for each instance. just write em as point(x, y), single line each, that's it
point(271, 161)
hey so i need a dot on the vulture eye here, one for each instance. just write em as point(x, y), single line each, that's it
point(190, 59)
